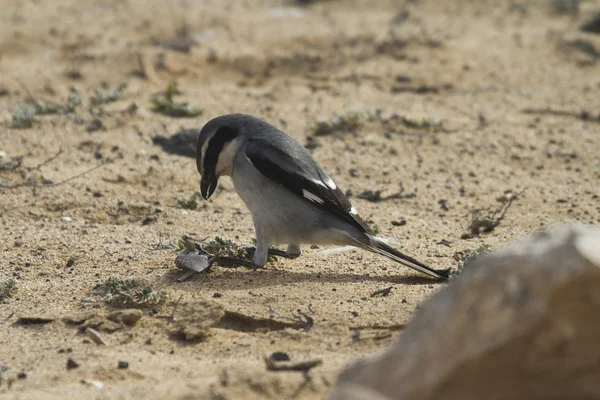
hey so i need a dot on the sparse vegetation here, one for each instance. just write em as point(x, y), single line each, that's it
point(44, 108)
point(190, 203)
point(7, 288)
point(428, 123)
point(24, 117)
point(73, 101)
point(225, 247)
point(168, 106)
point(130, 291)
point(473, 255)
point(103, 94)
point(348, 122)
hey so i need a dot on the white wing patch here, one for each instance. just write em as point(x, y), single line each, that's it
point(329, 182)
point(312, 197)
point(353, 211)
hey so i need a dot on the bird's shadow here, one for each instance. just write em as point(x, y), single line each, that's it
point(235, 279)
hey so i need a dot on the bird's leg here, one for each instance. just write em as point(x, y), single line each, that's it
point(293, 251)
point(260, 254)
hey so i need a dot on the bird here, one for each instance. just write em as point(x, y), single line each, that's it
point(291, 198)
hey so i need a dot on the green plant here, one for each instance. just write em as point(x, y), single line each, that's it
point(103, 94)
point(7, 288)
point(127, 291)
point(24, 117)
point(190, 203)
point(168, 106)
point(348, 122)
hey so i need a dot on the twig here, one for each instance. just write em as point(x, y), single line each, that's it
point(48, 161)
point(305, 320)
point(159, 245)
point(307, 381)
point(172, 317)
point(489, 222)
point(396, 327)
point(382, 292)
point(27, 92)
point(33, 183)
point(303, 366)
point(582, 115)
point(79, 175)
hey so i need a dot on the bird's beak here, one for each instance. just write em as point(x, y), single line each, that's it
point(208, 186)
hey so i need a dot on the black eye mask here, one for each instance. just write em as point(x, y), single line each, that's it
point(222, 136)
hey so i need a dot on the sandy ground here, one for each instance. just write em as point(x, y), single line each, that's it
point(488, 97)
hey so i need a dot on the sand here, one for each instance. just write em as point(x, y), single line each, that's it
point(461, 103)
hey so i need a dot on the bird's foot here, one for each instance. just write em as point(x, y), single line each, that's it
point(232, 262)
point(273, 252)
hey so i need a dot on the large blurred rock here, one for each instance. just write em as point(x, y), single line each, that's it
point(522, 323)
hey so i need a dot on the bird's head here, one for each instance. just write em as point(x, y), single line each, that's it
point(218, 143)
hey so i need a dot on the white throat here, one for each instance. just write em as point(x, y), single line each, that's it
point(225, 161)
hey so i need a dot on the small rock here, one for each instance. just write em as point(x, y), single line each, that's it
point(71, 364)
point(592, 25)
point(148, 220)
point(128, 317)
point(123, 365)
point(95, 336)
point(280, 356)
point(21, 375)
point(399, 222)
point(66, 219)
point(18, 243)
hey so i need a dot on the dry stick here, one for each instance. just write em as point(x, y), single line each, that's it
point(21, 184)
point(79, 175)
point(172, 317)
point(27, 92)
point(491, 221)
point(382, 292)
point(305, 320)
point(583, 115)
point(303, 366)
point(48, 161)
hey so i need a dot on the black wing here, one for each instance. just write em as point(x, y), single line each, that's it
point(308, 181)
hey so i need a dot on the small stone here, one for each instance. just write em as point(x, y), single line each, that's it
point(123, 365)
point(18, 243)
point(21, 375)
point(128, 317)
point(66, 219)
point(71, 364)
point(280, 356)
point(95, 336)
point(148, 220)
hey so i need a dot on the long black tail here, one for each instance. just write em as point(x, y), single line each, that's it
point(377, 246)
